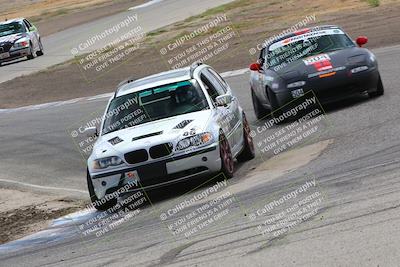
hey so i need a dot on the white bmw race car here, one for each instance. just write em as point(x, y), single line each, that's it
point(164, 129)
point(19, 38)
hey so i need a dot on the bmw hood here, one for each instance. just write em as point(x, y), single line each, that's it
point(6, 42)
point(323, 63)
point(169, 130)
point(11, 38)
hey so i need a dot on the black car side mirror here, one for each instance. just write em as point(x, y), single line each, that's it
point(256, 67)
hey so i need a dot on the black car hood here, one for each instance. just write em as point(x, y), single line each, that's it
point(324, 62)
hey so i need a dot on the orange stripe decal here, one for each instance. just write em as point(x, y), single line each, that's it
point(327, 75)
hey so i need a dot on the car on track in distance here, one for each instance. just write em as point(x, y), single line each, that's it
point(19, 38)
point(167, 128)
point(322, 59)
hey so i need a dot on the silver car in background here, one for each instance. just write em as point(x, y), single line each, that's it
point(19, 38)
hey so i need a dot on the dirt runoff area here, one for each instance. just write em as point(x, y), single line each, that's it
point(248, 23)
point(22, 213)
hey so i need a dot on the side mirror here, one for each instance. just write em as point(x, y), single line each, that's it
point(362, 40)
point(91, 132)
point(255, 67)
point(224, 100)
point(32, 29)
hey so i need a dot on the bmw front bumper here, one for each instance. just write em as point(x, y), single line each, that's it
point(156, 174)
point(15, 54)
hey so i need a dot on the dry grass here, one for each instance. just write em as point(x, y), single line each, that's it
point(43, 8)
point(263, 15)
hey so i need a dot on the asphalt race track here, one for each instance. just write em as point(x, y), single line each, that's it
point(355, 164)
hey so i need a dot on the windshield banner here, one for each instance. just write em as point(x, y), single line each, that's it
point(303, 37)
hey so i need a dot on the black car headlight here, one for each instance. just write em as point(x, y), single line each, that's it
point(195, 141)
point(107, 162)
point(359, 69)
point(296, 84)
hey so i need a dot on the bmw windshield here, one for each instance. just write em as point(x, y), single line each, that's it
point(11, 28)
point(298, 47)
point(154, 104)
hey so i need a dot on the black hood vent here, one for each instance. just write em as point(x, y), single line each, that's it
point(182, 124)
point(146, 136)
point(115, 141)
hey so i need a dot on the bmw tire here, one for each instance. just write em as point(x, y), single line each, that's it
point(31, 53)
point(99, 204)
point(227, 164)
point(40, 52)
point(248, 151)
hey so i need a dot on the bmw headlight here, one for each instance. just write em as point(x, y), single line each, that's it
point(23, 43)
point(195, 141)
point(107, 162)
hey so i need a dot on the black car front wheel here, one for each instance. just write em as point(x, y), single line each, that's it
point(380, 90)
point(259, 110)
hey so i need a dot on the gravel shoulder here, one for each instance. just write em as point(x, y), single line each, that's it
point(22, 212)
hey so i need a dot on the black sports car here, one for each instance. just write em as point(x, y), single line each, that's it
point(322, 59)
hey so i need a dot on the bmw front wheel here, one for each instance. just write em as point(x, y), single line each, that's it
point(248, 151)
point(99, 204)
point(227, 164)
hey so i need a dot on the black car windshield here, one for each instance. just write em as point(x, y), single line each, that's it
point(307, 47)
point(11, 28)
point(154, 104)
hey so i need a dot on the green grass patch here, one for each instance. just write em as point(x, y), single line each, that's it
point(374, 3)
point(156, 32)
